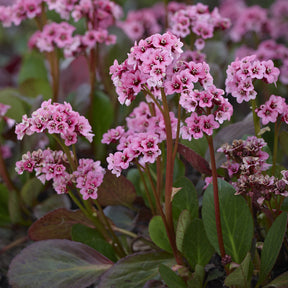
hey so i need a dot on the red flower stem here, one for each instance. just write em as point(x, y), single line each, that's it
point(216, 197)
point(169, 178)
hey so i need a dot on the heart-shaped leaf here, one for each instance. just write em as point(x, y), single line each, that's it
point(58, 264)
point(57, 224)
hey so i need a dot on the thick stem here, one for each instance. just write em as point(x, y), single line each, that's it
point(55, 74)
point(216, 197)
point(169, 178)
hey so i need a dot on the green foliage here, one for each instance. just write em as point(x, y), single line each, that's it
point(170, 277)
point(4, 200)
point(94, 239)
point(30, 191)
point(158, 233)
point(58, 264)
point(102, 118)
point(272, 245)
point(196, 247)
point(235, 219)
point(185, 199)
point(135, 270)
point(240, 276)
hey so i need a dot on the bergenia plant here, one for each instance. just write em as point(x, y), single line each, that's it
point(146, 172)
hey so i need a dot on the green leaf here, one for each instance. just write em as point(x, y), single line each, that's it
point(279, 282)
point(170, 277)
point(196, 247)
point(198, 277)
point(240, 276)
point(184, 221)
point(4, 200)
point(94, 239)
point(158, 233)
point(35, 87)
point(57, 264)
point(57, 224)
point(186, 198)
point(30, 191)
point(116, 191)
point(179, 169)
point(14, 207)
point(32, 67)
point(272, 246)
point(284, 206)
point(135, 270)
point(103, 115)
point(17, 108)
point(199, 146)
point(235, 218)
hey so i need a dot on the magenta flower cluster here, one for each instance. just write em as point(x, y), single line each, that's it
point(198, 20)
point(242, 72)
point(55, 118)
point(53, 165)
point(139, 143)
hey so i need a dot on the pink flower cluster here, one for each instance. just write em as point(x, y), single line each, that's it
point(18, 11)
point(99, 13)
point(198, 20)
point(209, 109)
point(141, 23)
point(53, 165)
point(59, 35)
point(55, 118)
point(273, 109)
point(242, 72)
point(269, 49)
point(140, 141)
point(147, 63)
point(245, 163)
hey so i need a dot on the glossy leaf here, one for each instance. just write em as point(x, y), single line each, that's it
point(94, 239)
point(199, 146)
point(135, 270)
point(158, 233)
point(58, 264)
point(184, 221)
point(170, 277)
point(279, 282)
point(240, 276)
point(116, 191)
point(235, 218)
point(186, 198)
point(272, 246)
point(57, 224)
point(196, 247)
point(196, 161)
point(30, 191)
